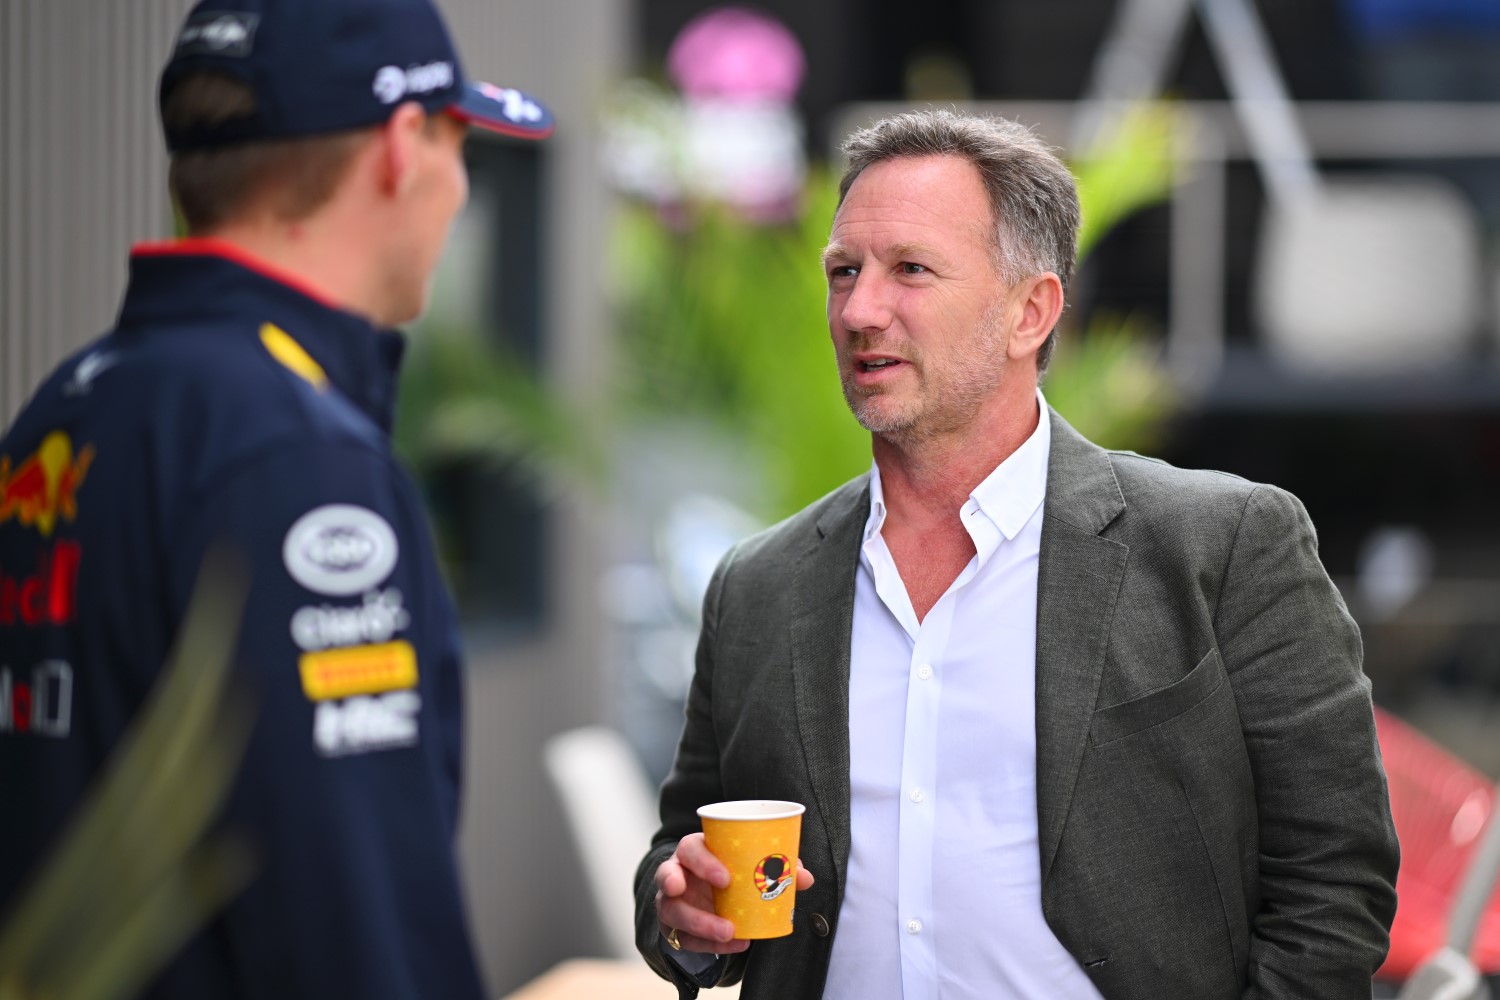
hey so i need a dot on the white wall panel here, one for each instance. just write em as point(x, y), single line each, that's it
point(83, 171)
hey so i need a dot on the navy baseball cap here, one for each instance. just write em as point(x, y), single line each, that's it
point(320, 66)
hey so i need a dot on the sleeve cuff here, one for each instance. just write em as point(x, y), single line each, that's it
point(705, 969)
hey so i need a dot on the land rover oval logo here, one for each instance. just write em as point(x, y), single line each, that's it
point(340, 550)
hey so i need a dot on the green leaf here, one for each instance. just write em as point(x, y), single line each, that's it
point(134, 875)
point(1131, 167)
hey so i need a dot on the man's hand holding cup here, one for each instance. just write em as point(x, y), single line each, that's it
point(716, 906)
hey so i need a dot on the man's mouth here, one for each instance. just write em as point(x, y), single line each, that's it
point(879, 364)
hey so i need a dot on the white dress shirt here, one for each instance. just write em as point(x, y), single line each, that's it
point(943, 900)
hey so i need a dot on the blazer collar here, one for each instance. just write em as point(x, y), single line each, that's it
point(1082, 490)
point(1079, 574)
point(823, 594)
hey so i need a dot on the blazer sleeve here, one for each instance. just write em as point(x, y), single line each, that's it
point(1328, 851)
point(694, 781)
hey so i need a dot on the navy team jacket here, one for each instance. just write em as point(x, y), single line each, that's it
point(230, 404)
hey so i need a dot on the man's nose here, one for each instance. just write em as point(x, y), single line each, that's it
point(868, 306)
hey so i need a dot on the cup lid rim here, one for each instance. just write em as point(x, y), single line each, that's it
point(729, 811)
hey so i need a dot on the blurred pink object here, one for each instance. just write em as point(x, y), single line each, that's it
point(737, 54)
point(1440, 806)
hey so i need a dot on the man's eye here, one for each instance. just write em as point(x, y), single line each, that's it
point(842, 271)
point(909, 268)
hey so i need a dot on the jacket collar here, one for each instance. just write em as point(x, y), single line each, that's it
point(195, 280)
point(1082, 490)
point(1079, 575)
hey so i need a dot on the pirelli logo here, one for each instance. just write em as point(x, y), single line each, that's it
point(355, 670)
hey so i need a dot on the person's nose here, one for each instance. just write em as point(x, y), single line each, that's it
point(868, 305)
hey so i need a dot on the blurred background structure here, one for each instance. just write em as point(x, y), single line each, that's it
point(626, 367)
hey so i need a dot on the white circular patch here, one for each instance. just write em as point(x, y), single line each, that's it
point(340, 549)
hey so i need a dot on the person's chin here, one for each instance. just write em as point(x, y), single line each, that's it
point(402, 313)
point(883, 415)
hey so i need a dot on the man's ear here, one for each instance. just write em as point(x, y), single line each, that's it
point(1039, 303)
point(399, 138)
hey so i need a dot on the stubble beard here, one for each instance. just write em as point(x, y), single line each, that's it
point(947, 394)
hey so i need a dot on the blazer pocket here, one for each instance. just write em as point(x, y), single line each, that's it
point(1127, 718)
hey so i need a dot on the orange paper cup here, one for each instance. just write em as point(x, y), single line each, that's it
point(757, 840)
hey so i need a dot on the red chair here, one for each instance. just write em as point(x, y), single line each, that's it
point(1440, 806)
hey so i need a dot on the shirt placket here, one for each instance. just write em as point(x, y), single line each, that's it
point(919, 771)
point(919, 791)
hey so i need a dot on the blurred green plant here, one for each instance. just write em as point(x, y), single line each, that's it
point(1110, 386)
point(1129, 167)
point(1109, 382)
point(721, 322)
point(137, 872)
point(465, 399)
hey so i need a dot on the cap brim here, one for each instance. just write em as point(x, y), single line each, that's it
point(503, 110)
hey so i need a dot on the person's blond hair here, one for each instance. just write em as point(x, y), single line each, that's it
point(290, 178)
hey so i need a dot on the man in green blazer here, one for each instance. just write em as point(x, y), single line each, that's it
point(1068, 723)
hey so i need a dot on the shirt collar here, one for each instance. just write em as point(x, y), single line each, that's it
point(197, 279)
point(1011, 494)
point(1008, 496)
point(876, 519)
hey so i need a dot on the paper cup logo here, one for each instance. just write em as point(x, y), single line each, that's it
point(773, 875)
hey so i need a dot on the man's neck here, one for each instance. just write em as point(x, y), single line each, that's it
point(306, 252)
point(928, 480)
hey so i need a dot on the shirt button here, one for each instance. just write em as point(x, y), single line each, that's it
point(917, 795)
point(925, 671)
point(914, 927)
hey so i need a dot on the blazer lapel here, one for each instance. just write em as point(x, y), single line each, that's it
point(823, 594)
point(1078, 582)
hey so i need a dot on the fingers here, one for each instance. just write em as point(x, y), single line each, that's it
point(690, 863)
point(693, 854)
point(712, 933)
point(670, 879)
point(684, 899)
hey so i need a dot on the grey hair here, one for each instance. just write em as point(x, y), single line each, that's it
point(1033, 198)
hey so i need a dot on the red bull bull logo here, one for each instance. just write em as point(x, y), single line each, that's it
point(44, 486)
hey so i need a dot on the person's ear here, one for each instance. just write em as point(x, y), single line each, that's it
point(1039, 302)
point(400, 142)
